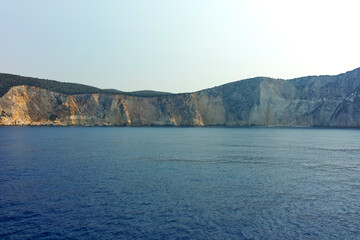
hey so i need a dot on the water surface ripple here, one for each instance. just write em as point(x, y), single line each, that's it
point(179, 183)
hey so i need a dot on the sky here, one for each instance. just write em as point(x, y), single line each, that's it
point(179, 45)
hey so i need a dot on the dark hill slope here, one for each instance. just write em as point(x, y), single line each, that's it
point(9, 80)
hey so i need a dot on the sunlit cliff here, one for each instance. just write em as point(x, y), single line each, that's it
point(325, 101)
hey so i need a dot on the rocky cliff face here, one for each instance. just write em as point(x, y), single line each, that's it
point(327, 101)
point(25, 105)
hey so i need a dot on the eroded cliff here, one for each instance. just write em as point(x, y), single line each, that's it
point(311, 101)
point(25, 105)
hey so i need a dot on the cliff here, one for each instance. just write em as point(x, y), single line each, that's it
point(325, 101)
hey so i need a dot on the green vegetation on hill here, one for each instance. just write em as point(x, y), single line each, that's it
point(302, 88)
point(9, 80)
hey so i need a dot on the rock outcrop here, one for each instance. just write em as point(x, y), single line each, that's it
point(324, 101)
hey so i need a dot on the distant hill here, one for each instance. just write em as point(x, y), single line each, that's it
point(9, 80)
point(313, 101)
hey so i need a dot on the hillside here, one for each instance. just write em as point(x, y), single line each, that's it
point(9, 80)
point(322, 101)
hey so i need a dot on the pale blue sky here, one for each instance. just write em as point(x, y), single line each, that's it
point(177, 46)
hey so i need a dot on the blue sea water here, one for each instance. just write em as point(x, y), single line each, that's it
point(179, 183)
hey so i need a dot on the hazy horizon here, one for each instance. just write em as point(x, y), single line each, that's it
point(178, 46)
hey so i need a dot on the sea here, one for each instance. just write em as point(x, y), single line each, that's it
point(179, 183)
